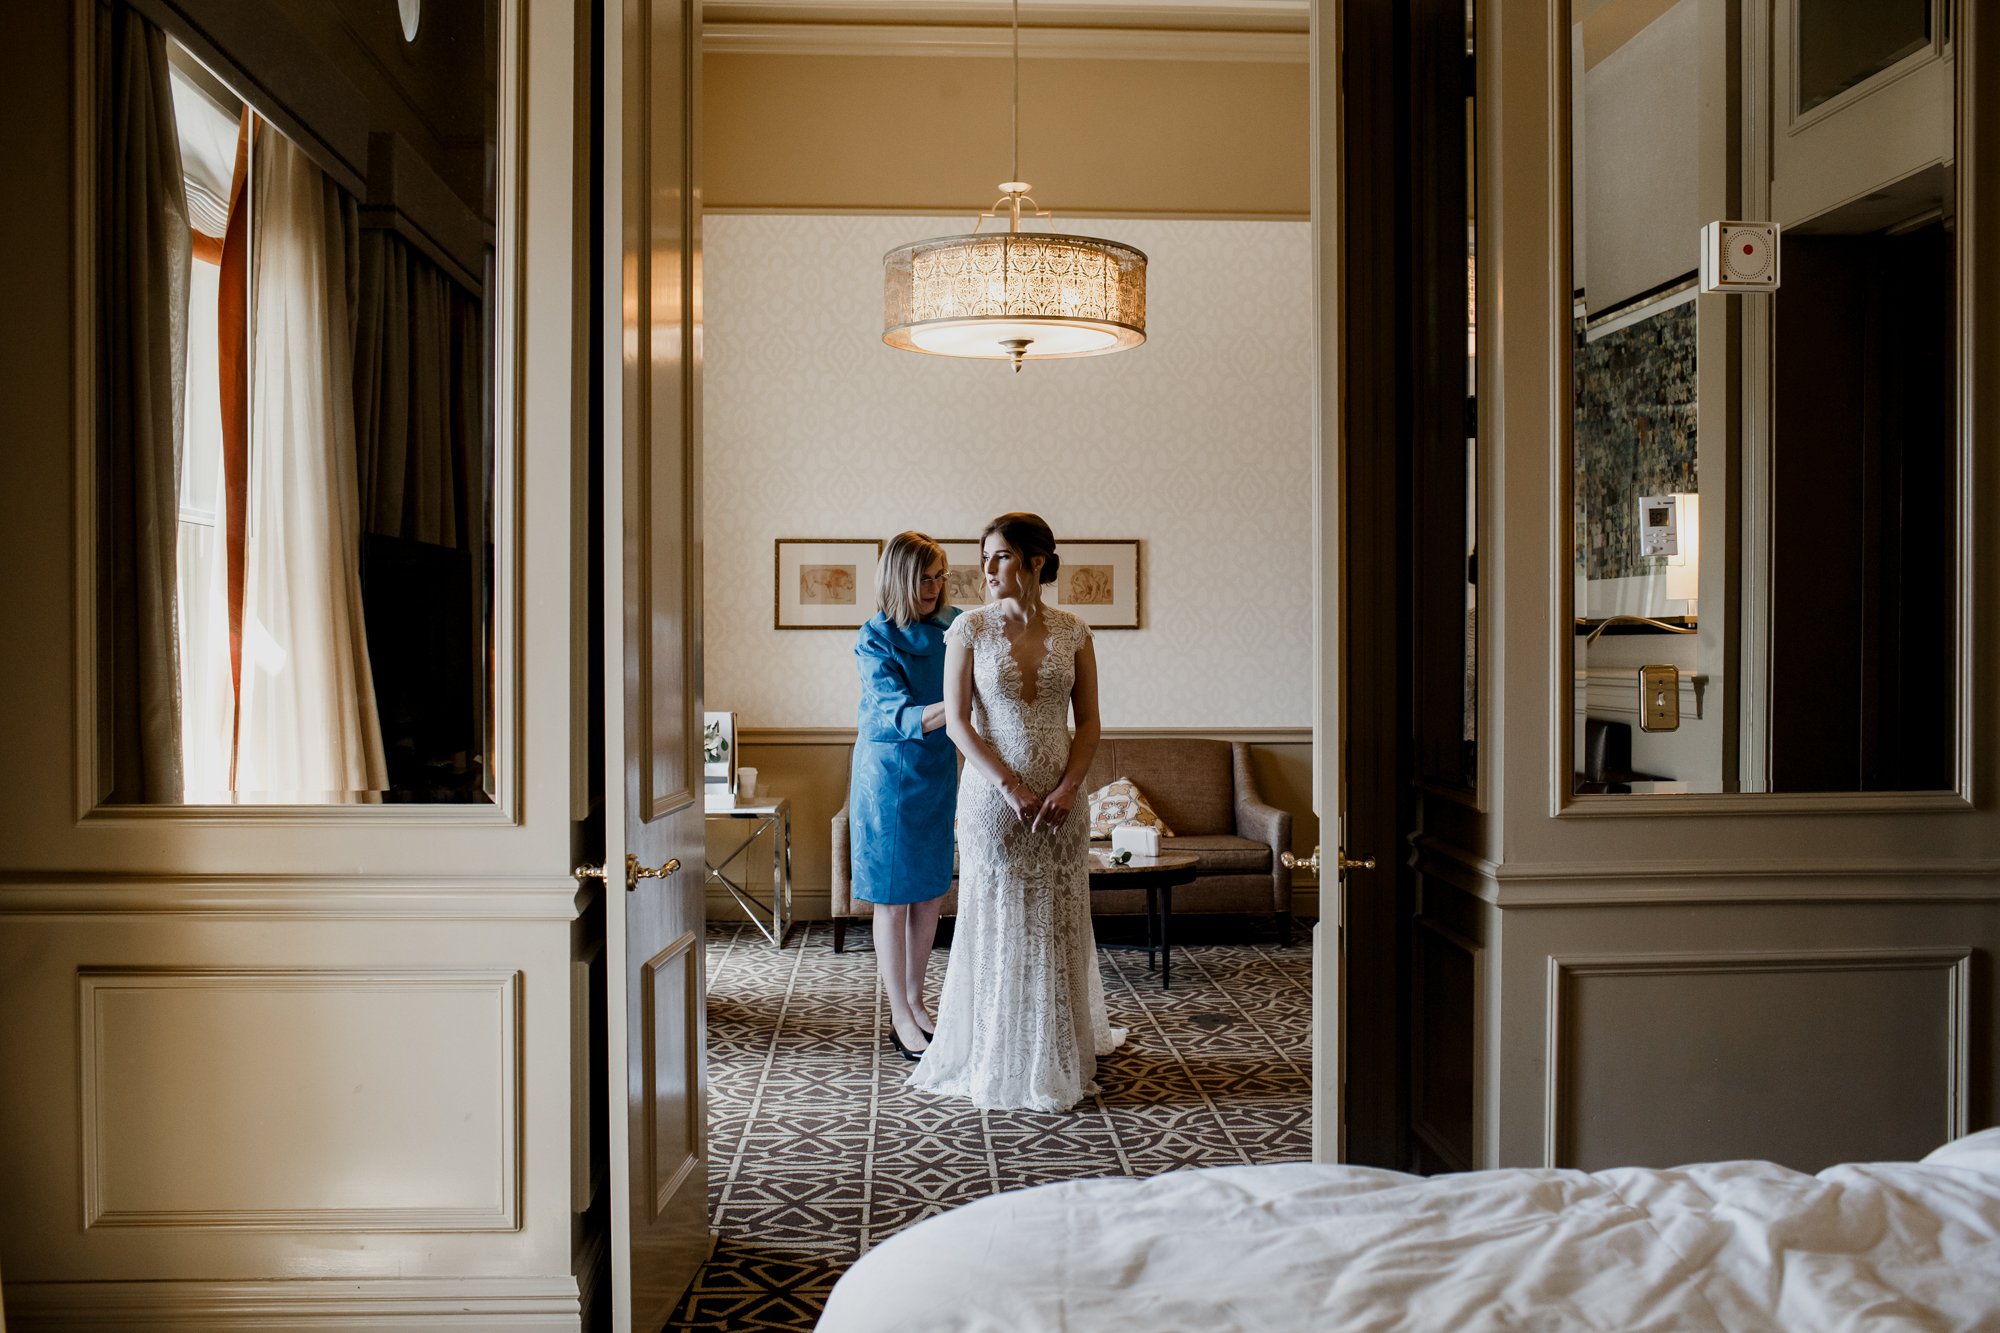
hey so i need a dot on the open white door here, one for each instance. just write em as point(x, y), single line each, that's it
point(1329, 1133)
point(652, 592)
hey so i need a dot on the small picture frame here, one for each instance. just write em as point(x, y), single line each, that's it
point(1098, 580)
point(718, 754)
point(825, 582)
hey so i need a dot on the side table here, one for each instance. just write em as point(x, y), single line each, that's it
point(1157, 875)
point(762, 814)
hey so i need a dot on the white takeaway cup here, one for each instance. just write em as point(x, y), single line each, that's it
point(746, 782)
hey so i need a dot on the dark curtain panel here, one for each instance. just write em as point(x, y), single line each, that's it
point(419, 393)
point(145, 249)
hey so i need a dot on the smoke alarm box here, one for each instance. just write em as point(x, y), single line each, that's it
point(1739, 257)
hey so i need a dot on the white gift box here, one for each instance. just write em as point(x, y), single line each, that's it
point(1139, 839)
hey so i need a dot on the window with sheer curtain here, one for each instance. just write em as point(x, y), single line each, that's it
point(276, 698)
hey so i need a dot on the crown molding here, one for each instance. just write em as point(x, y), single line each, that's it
point(947, 40)
point(1229, 15)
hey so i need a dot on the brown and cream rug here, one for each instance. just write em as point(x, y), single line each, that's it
point(817, 1151)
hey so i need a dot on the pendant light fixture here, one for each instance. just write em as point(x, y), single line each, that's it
point(1014, 295)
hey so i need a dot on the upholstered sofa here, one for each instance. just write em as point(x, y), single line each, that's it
point(1206, 793)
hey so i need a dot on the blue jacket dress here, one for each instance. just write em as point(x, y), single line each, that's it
point(904, 785)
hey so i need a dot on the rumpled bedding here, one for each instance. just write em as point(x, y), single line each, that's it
point(1884, 1247)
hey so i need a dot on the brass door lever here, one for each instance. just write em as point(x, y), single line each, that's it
point(634, 871)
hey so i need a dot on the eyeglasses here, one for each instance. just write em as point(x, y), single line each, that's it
point(939, 579)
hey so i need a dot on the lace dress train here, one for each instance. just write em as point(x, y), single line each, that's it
point(1021, 1020)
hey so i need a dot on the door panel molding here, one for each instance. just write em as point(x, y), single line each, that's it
point(1439, 947)
point(1587, 883)
point(150, 1075)
point(669, 980)
point(661, 217)
point(294, 897)
point(1567, 974)
point(526, 1303)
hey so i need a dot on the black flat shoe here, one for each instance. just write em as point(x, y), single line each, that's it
point(903, 1050)
point(929, 1037)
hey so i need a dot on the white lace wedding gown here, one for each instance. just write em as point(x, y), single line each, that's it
point(1021, 1019)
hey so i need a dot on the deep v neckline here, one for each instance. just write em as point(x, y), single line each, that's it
point(1030, 680)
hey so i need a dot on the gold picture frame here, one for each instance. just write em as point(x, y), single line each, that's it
point(823, 582)
point(1100, 579)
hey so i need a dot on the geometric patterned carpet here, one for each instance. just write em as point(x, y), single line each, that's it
point(817, 1151)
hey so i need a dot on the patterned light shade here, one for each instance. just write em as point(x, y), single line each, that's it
point(1014, 295)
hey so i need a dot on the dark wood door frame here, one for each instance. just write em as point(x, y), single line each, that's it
point(1375, 543)
point(1405, 384)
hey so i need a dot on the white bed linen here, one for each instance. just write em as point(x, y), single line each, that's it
point(1884, 1247)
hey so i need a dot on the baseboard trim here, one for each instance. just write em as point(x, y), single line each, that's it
point(526, 1304)
point(845, 735)
point(817, 904)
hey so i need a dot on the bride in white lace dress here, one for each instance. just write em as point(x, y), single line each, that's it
point(1021, 1019)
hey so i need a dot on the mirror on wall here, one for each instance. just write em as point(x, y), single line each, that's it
point(1443, 440)
point(294, 460)
point(1763, 484)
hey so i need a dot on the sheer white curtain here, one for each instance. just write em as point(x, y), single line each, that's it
point(307, 728)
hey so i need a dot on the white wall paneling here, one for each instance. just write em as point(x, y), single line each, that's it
point(317, 1099)
point(289, 1067)
point(1809, 953)
point(225, 1106)
point(1199, 444)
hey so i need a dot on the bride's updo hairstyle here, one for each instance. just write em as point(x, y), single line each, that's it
point(1029, 535)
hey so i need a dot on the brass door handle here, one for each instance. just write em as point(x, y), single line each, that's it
point(1341, 859)
point(634, 871)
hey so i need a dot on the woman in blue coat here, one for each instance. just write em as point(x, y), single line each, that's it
point(904, 785)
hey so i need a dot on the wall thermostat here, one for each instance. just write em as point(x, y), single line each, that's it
point(1659, 526)
point(1739, 257)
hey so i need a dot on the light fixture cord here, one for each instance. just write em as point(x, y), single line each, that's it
point(1017, 92)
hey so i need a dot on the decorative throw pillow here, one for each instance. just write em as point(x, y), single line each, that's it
point(1121, 802)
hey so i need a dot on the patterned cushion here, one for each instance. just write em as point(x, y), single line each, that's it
point(1121, 802)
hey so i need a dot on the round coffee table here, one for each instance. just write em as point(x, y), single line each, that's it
point(1157, 875)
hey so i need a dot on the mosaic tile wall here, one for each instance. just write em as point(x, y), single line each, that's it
point(1634, 434)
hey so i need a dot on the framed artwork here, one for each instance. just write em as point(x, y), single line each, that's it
point(965, 585)
point(825, 583)
point(1099, 580)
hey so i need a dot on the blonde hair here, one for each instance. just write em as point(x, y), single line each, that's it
point(903, 563)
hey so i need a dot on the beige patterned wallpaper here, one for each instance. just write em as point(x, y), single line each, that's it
point(1199, 444)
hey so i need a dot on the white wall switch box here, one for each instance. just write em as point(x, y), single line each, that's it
point(1739, 257)
point(1659, 525)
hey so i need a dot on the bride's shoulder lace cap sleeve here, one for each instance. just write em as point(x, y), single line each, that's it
point(960, 629)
